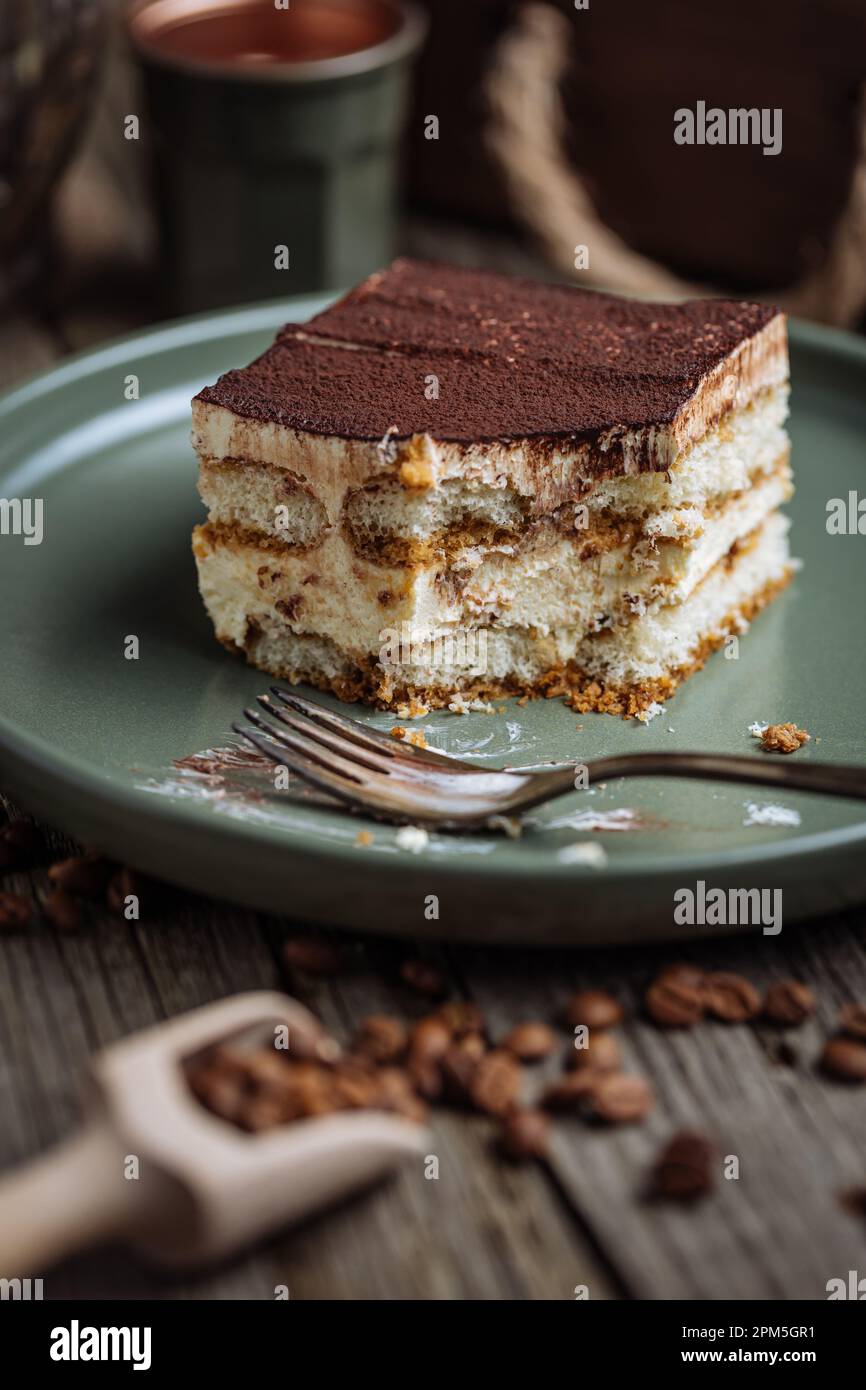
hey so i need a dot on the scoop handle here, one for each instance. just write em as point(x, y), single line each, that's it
point(72, 1197)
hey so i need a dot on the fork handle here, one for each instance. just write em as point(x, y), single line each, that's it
point(834, 780)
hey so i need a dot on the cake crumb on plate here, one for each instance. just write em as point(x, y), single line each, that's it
point(783, 738)
point(412, 837)
point(583, 852)
point(414, 736)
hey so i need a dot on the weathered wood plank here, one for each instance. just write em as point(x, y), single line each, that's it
point(482, 1230)
point(777, 1231)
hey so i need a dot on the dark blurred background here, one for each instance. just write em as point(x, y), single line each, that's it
point(555, 131)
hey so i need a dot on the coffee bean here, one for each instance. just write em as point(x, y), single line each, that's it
point(428, 1043)
point(24, 841)
point(525, 1134)
point(685, 972)
point(530, 1042)
point(602, 1053)
point(382, 1038)
point(594, 1008)
point(853, 1199)
point(397, 1093)
point(473, 1044)
point(852, 1020)
point(571, 1092)
point(675, 1001)
point(789, 1003)
point(462, 1016)
point(684, 1168)
point(845, 1059)
point(85, 875)
point(313, 955)
point(310, 1090)
point(424, 978)
point(620, 1098)
point(731, 998)
point(9, 859)
point(457, 1069)
point(429, 1040)
point(16, 912)
point(219, 1093)
point(127, 883)
point(496, 1082)
point(62, 911)
point(355, 1082)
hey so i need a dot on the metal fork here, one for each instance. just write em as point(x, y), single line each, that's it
point(393, 780)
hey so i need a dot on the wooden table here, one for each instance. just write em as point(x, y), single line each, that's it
point(484, 1229)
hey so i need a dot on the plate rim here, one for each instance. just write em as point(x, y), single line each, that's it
point(110, 795)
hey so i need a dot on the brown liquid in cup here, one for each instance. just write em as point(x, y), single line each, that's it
point(253, 33)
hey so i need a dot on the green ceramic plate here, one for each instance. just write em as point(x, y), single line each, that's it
point(87, 737)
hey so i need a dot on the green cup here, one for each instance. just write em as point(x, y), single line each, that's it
point(274, 129)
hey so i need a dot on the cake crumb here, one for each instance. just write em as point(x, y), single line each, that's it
point(783, 738)
point(415, 709)
point(363, 838)
point(412, 837)
point(757, 814)
point(587, 852)
point(653, 709)
point(414, 736)
point(460, 705)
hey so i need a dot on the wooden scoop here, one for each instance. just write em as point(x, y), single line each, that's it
point(203, 1188)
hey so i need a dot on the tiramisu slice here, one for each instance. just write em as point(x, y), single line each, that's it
point(454, 484)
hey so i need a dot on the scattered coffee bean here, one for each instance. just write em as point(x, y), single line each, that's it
point(473, 1044)
point(424, 978)
point(602, 1053)
point(789, 1003)
point(125, 883)
point(731, 998)
point(525, 1134)
point(9, 859)
point(620, 1098)
point(462, 1016)
point(62, 911)
point(397, 1093)
point(852, 1020)
point(685, 972)
point(313, 955)
point(572, 1091)
point(530, 1042)
point(24, 841)
point(16, 912)
point(594, 1008)
point(382, 1038)
point(85, 875)
point(428, 1043)
point(675, 1001)
point(430, 1039)
point(457, 1069)
point(845, 1059)
point(853, 1200)
point(496, 1082)
point(684, 1169)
